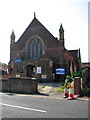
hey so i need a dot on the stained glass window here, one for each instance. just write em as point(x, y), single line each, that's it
point(32, 51)
point(29, 51)
point(41, 50)
point(35, 49)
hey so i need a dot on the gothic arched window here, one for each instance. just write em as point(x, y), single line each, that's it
point(34, 48)
point(41, 49)
point(33, 51)
point(36, 51)
point(29, 51)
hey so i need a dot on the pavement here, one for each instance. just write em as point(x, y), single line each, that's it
point(47, 90)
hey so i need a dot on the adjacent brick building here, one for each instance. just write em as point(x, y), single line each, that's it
point(37, 47)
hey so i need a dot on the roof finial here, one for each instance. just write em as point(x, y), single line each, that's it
point(34, 15)
point(61, 28)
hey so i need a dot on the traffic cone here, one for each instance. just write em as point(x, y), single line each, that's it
point(65, 92)
point(71, 97)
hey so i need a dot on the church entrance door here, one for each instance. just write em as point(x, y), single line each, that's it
point(30, 70)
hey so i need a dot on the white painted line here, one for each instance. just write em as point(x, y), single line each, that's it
point(23, 108)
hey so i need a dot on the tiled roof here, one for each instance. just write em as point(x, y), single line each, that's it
point(74, 53)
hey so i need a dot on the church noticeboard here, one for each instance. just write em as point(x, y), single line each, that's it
point(38, 70)
point(60, 71)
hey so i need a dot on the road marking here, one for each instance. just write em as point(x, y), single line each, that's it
point(37, 110)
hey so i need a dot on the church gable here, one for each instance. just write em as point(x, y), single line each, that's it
point(36, 28)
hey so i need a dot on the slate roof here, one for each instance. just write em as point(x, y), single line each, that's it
point(74, 53)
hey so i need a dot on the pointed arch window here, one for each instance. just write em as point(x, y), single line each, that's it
point(35, 49)
point(41, 50)
point(29, 51)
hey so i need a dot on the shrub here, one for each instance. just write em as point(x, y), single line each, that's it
point(77, 74)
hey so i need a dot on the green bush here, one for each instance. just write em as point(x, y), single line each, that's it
point(77, 74)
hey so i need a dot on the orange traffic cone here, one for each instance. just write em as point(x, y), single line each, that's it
point(71, 97)
point(65, 92)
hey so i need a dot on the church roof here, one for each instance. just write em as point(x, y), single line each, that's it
point(36, 28)
point(74, 53)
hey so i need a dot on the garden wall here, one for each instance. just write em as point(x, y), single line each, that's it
point(19, 85)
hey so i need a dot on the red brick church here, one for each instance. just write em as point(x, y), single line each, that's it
point(39, 54)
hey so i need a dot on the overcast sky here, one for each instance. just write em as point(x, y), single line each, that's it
point(17, 15)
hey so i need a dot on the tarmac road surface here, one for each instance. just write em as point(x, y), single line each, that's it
point(41, 106)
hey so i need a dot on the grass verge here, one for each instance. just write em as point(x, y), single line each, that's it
point(59, 89)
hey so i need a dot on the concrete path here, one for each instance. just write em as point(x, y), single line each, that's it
point(49, 89)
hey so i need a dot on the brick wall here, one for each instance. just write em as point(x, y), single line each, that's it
point(4, 85)
point(19, 85)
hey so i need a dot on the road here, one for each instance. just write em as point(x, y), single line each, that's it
point(35, 106)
